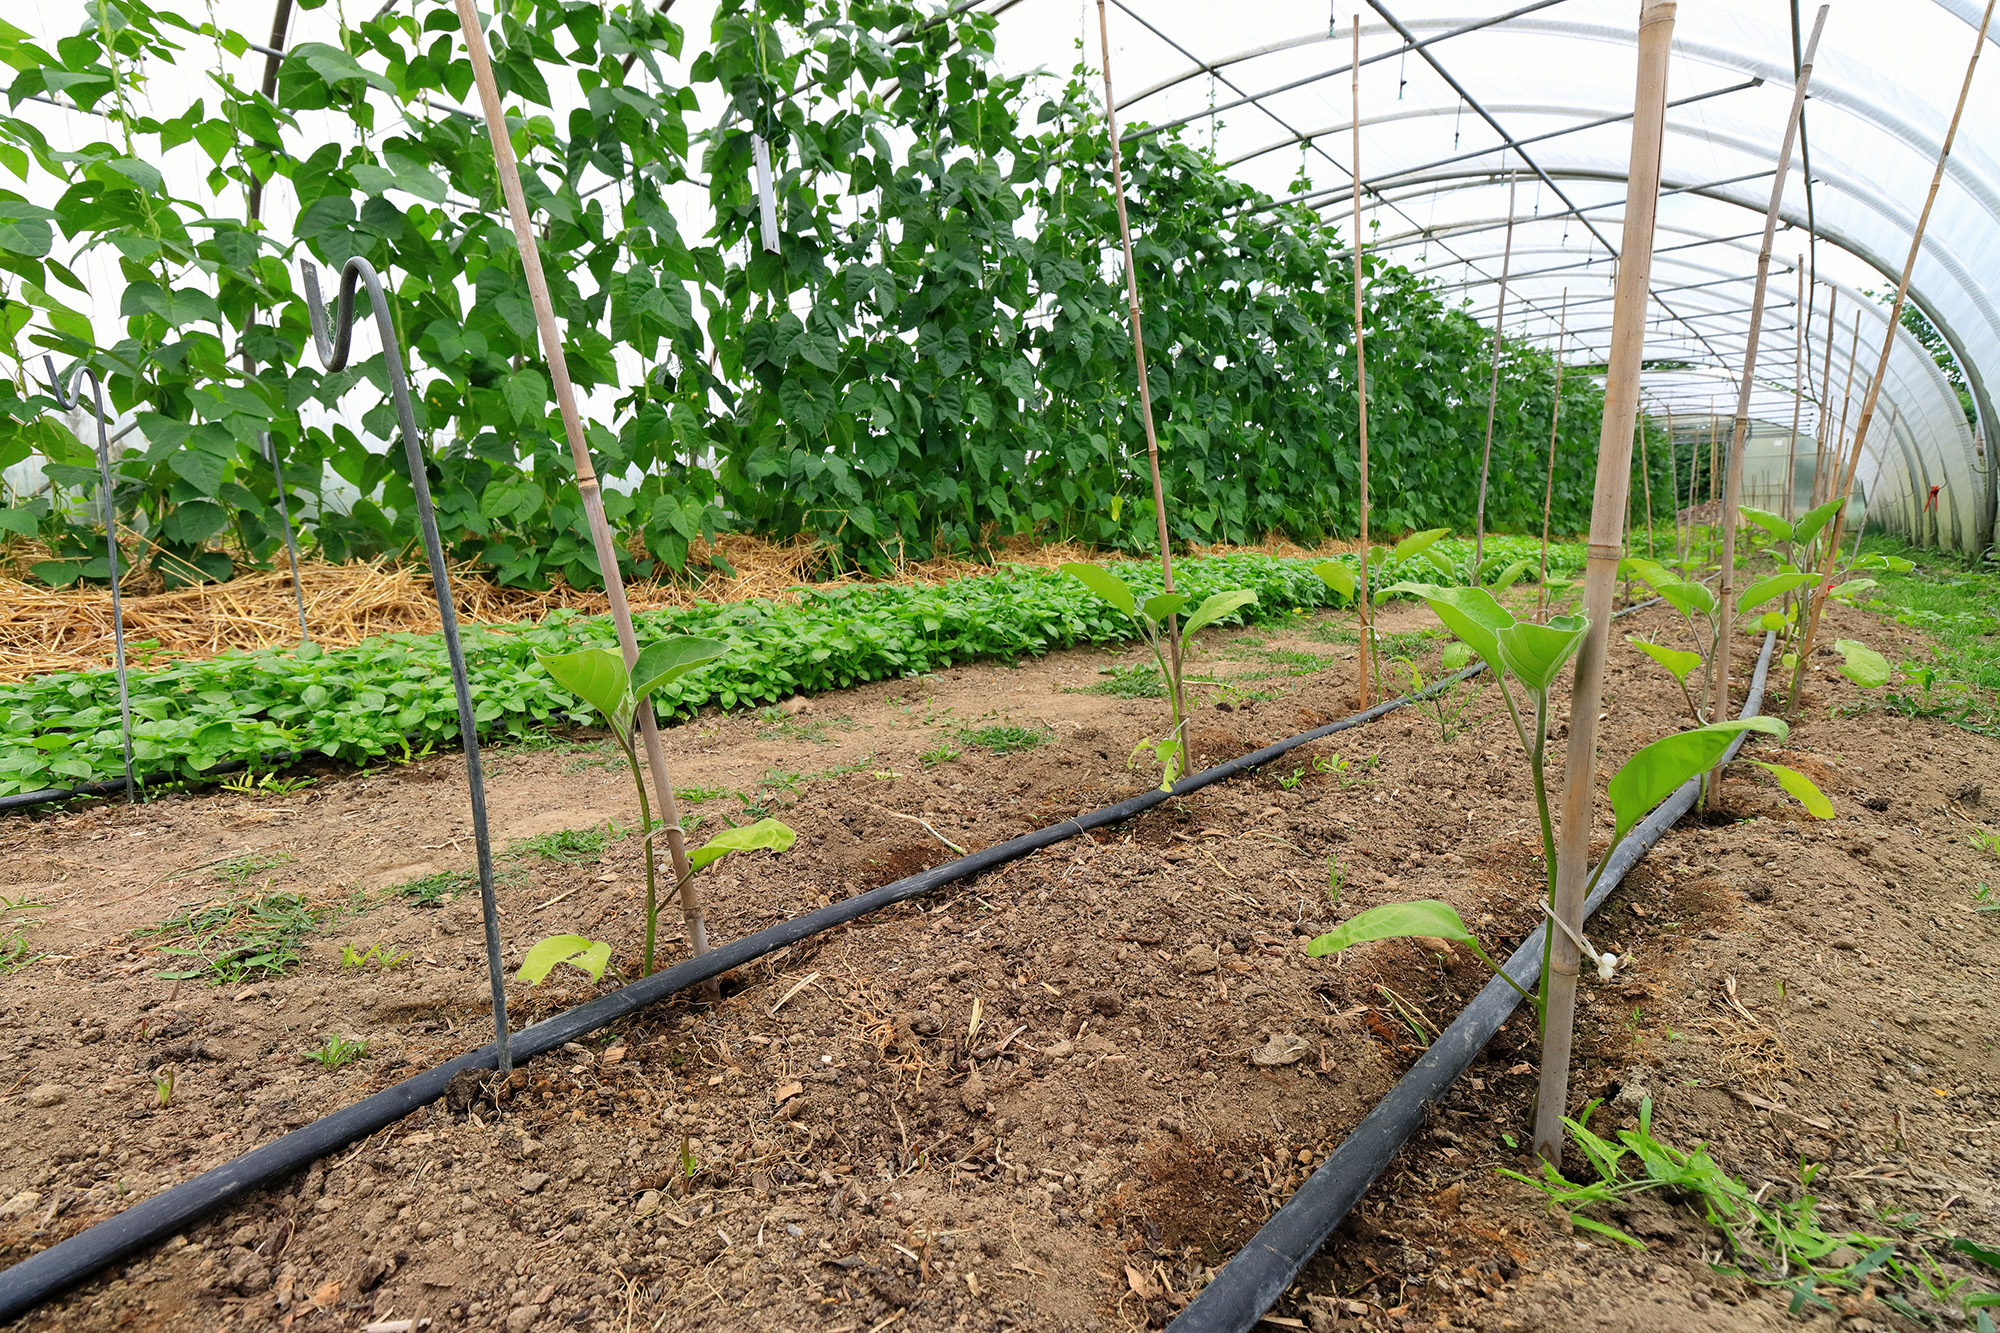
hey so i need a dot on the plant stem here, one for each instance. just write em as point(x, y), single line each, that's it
point(645, 828)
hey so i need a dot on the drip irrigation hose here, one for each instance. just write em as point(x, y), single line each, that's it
point(1251, 1283)
point(334, 355)
point(41, 1276)
point(108, 497)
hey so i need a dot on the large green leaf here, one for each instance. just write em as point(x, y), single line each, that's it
point(1673, 659)
point(1763, 590)
point(1394, 921)
point(598, 677)
point(1104, 583)
point(1801, 787)
point(670, 659)
point(588, 955)
point(1470, 613)
point(1161, 605)
point(1768, 521)
point(1337, 577)
point(1862, 664)
point(1653, 774)
point(1218, 605)
point(1415, 543)
point(1537, 653)
point(1808, 526)
point(764, 835)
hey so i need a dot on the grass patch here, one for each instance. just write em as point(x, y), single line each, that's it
point(1006, 738)
point(571, 846)
point(1952, 604)
point(237, 869)
point(438, 889)
point(238, 938)
point(777, 725)
point(1133, 682)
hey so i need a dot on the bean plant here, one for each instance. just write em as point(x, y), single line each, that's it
point(1154, 619)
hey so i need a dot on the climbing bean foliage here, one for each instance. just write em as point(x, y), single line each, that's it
point(935, 354)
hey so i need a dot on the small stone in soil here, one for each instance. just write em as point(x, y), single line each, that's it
point(1282, 1049)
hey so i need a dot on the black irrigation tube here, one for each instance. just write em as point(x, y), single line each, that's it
point(1251, 1283)
point(40, 1276)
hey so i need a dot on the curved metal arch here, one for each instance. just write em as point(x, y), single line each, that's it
point(1946, 259)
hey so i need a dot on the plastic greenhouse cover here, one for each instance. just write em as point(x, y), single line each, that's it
point(1267, 84)
point(1558, 78)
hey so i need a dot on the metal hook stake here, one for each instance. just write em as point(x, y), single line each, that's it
point(334, 355)
point(106, 497)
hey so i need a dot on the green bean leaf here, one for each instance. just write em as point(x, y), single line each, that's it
point(1104, 583)
point(764, 835)
point(1862, 664)
point(590, 956)
point(1394, 921)
point(1653, 774)
point(1801, 788)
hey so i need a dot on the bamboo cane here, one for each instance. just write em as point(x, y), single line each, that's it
point(1646, 487)
point(589, 490)
point(1823, 412)
point(1493, 384)
point(1360, 370)
point(1145, 390)
point(1607, 535)
point(1549, 487)
point(1825, 584)
point(1799, 395)
point(1732, 491)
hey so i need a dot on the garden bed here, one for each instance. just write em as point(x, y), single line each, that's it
point(1032, 1100)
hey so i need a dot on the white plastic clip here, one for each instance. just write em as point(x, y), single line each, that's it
point(1607, 962)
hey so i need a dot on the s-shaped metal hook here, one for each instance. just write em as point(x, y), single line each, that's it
point(334, 354)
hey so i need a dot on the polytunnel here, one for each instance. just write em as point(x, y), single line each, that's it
point(1493, 144)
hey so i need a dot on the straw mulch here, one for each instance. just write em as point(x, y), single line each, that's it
point(44, 629)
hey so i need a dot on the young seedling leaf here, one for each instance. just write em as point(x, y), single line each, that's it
point(669, 659)
point(1801, 788)
point(1537, 653)
point(1772, 621)
point(1676, 661)
point(1862, 664)
point(1161, 605)
point(1470, 613)
point(590, 956)
point(1394, 921)
point(598, 677)
point(1217, 606)
point(1510, 576)
point(1768, 521)
point(1104, 583)
point(1337, 577)
point(1416, 543)
point(1763, 590)
point(1652, 775)
point(1455, 657)
point(1809, 525)
point(1849, 592)
point(1876, 560)
point(764, 835)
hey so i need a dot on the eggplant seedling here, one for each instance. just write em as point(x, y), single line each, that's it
point(1154, 619)
point(600, 678)
point(1533, 656)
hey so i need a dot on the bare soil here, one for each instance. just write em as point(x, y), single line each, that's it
point(1042, 1099)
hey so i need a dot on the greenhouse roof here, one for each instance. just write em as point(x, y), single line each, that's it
point(1465, 107)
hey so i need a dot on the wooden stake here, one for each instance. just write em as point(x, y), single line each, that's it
point(1868, 403)
point(1549, 487)
point(1367, 696)
point(1145, 390)
point(1732, 491)
point(588, 488)
point(1493, 385)
point(1607, 536)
